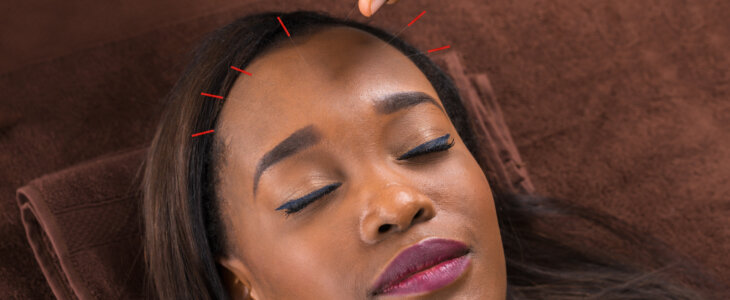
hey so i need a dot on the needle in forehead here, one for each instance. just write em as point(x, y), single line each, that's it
point(292, 42)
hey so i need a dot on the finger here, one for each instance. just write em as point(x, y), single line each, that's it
point(391, 1)
point(369, 7)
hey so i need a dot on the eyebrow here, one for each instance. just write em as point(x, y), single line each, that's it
point(297, 141)
point(395, 102)
point(310, 135)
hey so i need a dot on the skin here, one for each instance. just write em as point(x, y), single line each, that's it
point(369, 7)
point(332, 249)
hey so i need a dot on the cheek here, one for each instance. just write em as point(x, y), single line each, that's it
point(288, 264)
point(463, 183)
point(474, 205)
point(465, 194)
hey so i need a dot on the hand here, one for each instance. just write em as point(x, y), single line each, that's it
point(369, 7)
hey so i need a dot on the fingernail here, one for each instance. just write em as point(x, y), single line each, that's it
point(375, 5)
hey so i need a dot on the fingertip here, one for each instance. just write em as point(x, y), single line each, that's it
point(375, 5)
point(364, 6)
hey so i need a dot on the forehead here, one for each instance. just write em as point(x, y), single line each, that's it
point(331, 76)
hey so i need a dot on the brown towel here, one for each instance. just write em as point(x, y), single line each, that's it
point(84, 227)
point(500, 160)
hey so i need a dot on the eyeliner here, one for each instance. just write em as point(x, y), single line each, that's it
point(430, 146)
point(297, 204)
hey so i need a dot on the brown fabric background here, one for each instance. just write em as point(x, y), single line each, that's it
point(621, 105)
point(84, 227)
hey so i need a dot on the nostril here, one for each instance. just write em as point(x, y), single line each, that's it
point(418, 214)
point(384, 228)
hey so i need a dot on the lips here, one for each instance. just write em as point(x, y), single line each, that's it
point(426, 266)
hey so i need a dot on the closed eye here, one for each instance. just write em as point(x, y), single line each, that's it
point(296, 205)
point(439, 144)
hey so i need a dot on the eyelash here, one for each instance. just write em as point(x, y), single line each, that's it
point(298, 204)
point(436, 145)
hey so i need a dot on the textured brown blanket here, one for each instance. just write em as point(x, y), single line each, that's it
point(84, 227)
point(620, 105)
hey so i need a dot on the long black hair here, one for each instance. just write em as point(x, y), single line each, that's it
point(183, 229)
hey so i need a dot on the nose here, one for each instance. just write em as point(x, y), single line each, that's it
point(394, 209)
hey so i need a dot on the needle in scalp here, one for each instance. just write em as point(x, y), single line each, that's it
point(430, 51)
point(292, 42)
point(404, 28)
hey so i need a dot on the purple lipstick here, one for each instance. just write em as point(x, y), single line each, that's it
point(424, 267)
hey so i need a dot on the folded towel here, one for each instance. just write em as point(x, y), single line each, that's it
point(501, 161)
point(84, 225)
point(84, 228)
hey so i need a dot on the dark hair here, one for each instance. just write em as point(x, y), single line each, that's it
point(183, 231)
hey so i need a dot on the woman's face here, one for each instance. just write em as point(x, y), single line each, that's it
point(346, 116)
